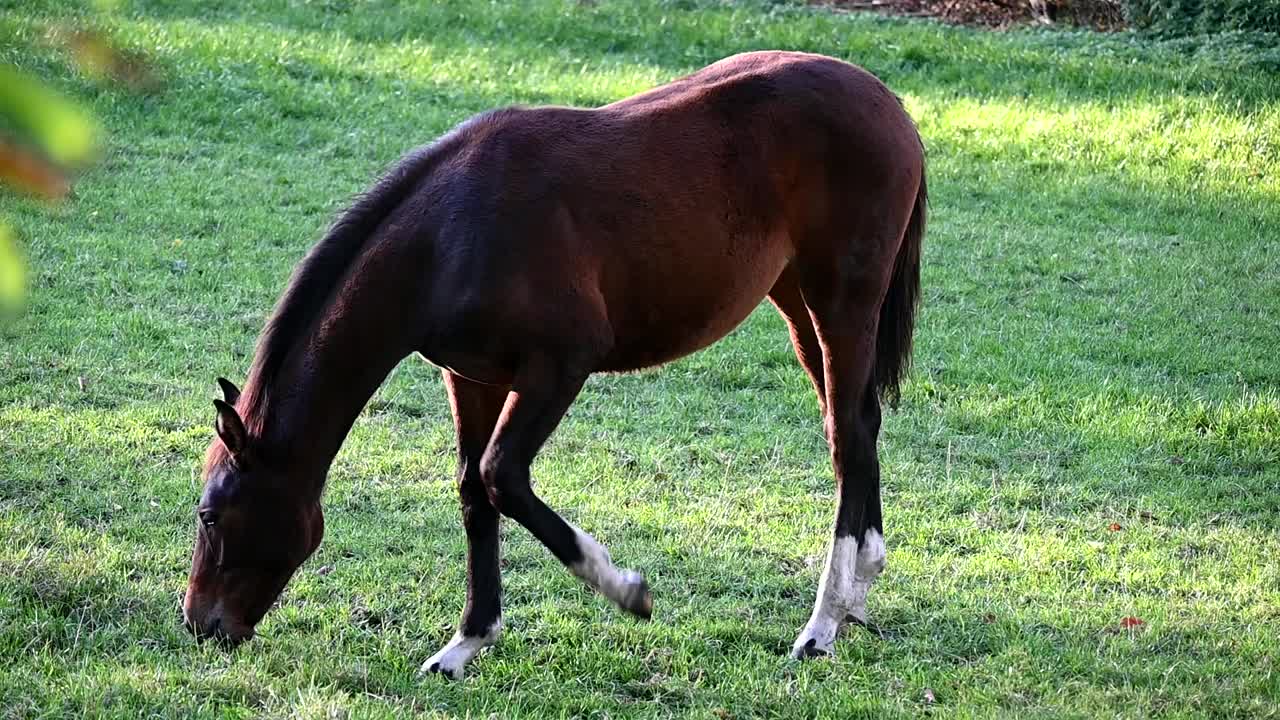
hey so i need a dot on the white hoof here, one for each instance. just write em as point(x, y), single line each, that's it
point(634, 596)
point(816, 640)
point(454, 656)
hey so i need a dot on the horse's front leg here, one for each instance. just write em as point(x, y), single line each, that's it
point(475, 411)
point(543, 390)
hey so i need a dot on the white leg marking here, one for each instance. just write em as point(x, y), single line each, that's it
point(842, 592)
point(626, 588)
point(870, 564)
point(456, 653)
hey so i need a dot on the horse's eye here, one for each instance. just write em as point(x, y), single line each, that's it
point(208, 518)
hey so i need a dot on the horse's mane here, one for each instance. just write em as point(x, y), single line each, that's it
point(319, 275)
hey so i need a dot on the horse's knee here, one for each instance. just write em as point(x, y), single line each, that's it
point(471, 491)
point(470, 484)
point(506, 483)
point(491, 479)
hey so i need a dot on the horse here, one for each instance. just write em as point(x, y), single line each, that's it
point(531, 247)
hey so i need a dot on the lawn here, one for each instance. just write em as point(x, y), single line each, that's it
point(1091, 433)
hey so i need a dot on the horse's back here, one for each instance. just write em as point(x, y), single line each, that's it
point(665, 218)
point(832, 99)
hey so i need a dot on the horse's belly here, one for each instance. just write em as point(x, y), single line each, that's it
point(681, 314)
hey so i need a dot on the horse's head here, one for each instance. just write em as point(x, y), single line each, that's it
point(252, 532)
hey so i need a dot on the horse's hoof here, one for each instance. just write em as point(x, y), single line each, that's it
point(459, 651)
point(863, 623)
point(636, 598)
point(809, 649)
point(436, 667)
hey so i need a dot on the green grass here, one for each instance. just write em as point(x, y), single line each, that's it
point(1098, 345)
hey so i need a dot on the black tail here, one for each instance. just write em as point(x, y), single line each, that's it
point(898, 313)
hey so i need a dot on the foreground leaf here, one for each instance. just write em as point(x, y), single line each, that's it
point(13, 272)
point(60, 128)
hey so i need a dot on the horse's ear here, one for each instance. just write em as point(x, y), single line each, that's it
point(230, 392)
point(231, 428)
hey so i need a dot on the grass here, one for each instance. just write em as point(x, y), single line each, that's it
point(1092, 431)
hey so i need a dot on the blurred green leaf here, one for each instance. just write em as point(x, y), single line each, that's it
point(13, 272)
point(60, 128)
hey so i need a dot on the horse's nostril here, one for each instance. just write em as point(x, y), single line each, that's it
point(222, 637)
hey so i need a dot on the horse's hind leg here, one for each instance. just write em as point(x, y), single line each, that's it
point(786, 297)
point(845, 320)
point(475, 412)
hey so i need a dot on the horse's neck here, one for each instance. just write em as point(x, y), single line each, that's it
point(329, 377)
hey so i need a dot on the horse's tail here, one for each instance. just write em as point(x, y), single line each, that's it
point(898, 313)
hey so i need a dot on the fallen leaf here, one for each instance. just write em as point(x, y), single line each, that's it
point(99, 56)
point(1114, 527)
point(31, 173)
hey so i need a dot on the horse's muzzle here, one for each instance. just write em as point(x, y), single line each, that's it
point(213, 628)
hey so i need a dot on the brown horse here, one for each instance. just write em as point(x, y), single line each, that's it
point(531, 247)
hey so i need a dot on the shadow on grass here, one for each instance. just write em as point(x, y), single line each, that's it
point(85, 606)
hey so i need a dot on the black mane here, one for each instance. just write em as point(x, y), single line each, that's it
point(319, 274)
